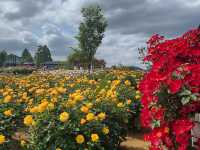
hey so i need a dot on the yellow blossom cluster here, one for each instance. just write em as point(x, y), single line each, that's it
point(77, 109)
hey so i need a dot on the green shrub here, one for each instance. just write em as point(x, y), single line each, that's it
point(17, 70)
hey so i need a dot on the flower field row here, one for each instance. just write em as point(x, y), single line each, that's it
point(57, 112)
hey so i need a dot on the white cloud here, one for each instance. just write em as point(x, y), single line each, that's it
point(121, 49)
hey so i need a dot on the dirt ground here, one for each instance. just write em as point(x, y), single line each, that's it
point(134, 142)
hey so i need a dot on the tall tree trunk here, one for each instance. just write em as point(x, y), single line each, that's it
point(89, 68)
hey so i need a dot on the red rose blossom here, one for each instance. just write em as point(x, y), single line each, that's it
point(175, 67)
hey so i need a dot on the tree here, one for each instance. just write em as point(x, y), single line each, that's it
point(42, 55)
point(3, 57)
point(47, 54)
point(26, 56)
point(76, 58)
point(91, 32)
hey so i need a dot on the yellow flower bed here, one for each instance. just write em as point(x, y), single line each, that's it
point(66, 112)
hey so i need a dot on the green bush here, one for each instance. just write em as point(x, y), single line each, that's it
point(17, 70)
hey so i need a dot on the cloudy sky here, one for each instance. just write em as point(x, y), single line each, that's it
point(29, 23)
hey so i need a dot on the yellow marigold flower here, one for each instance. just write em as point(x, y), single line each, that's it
point(24, 95)
point(34, 109)
point(22, 142)
point(58, 149)
point(138, 92)
point(83, 121)
point(5, 93)
point(7, 99)
point(40, 91)
point(84, 109)
point(61, 90)
point(8, 112)
point(43, 106)
point(98, 100)
point(120, 105)
point(78, 98)
point(95, 137)
point(116, 82)
point(64, 117)
point(51, 106)
point(54, 92)
point(101, 116)
point(105, 130)
point(2, 139)
point(90, 117)
point(127, 82)
point(28, 120)
point(128, 101)
point(89, 105)
point(80, 139)
point(70, 103)
point(137, 97)
point(72, 85)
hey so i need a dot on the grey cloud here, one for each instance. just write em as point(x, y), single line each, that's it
point(16, 46)
point(27, 9)
point(109, 5)
point(169, 17)
point(58, 42)
point(60, 46)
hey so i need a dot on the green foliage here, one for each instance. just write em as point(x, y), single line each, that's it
point(76, 57)
point(17, 70)
point(42, 55)
point(91, 31)
point(3, 56)
point(10, 124)
point(26, 56)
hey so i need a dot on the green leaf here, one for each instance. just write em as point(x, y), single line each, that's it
point(185, 100)
point(193, 97)
point(156, 123)
point(185, 93)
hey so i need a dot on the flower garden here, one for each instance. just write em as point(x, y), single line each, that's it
point(62, 112)
point(94, 112)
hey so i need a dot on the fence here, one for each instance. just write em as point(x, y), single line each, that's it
point(196, 129)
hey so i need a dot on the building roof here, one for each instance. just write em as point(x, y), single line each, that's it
point(51, 63)
point(28, 63)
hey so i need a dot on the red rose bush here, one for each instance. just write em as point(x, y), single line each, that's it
point(171, 90)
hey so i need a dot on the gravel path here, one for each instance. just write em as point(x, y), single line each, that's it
point(134, 142)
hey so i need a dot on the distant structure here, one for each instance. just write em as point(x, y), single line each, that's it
point(51, 65)
point(28, 64)
point(97, 64)
point(13, 60)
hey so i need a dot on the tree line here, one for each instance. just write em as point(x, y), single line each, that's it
point(91, 33)
point(42, 55)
